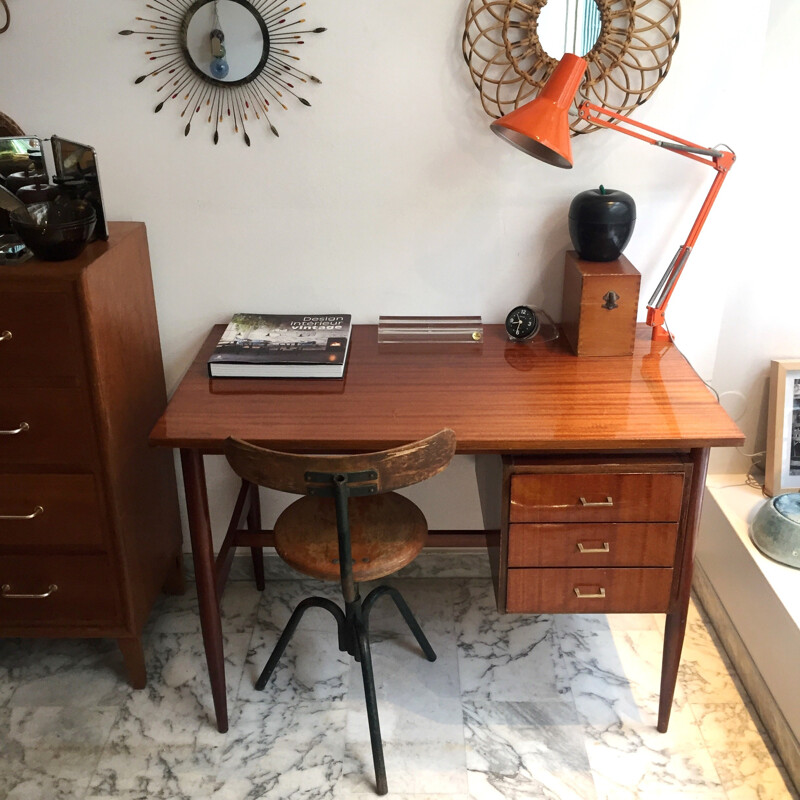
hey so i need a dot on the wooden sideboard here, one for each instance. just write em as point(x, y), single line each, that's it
point(89, 523)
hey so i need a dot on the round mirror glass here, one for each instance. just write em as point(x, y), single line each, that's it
point(245, 39)
point(568, 26)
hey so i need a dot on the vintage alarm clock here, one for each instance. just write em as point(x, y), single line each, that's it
point(522, 323)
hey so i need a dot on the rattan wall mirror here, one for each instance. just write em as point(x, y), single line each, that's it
point(628, 59)
point(225, 60)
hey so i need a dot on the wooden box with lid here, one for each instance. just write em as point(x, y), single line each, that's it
point(600, 303)
point(89, 522)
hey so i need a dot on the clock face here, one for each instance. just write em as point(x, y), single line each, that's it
point(522, 323)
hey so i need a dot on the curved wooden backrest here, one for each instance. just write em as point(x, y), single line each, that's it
point(395, 468)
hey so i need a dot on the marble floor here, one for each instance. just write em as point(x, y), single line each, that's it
point(514, 707)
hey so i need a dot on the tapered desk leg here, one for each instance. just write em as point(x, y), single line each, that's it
point(675, 627)
point(194, 481)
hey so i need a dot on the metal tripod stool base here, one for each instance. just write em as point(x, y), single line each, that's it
point(353, 630)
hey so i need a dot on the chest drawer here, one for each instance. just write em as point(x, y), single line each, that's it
point(596, 497)
point(592, 544)
point(56, 426)
point(49, 511)
point(42, 338)
point(78, 591)
point(589, 591)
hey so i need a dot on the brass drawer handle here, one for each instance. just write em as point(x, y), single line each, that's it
point(607, 502)
point(606, 548)
point(6, 335)
point(23, 426)
point(5, 593)
point(601, 592)
point(35, 513)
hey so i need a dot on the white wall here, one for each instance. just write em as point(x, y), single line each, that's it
point(390, 194)
point(760, 318)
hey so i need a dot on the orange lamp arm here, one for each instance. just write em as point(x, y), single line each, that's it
point(720, 160)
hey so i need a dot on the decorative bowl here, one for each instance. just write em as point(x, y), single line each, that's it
point(775, 529)
point(57, 230)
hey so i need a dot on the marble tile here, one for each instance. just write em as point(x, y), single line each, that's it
point(284, 749)
point(279, 599)
point(311, 668)
point(415, 696)
point(706, 674)
point(49, 751)
point(749, 772)
point(419, 708)
point(431, 600)
point(519, 750)
point(514, 706)
point(179, 613)
point(614, 675)
point(63, 672)
point(164, 740)
point(630, 755)
point(411, 769)
point(725, 724)
point(502, 656)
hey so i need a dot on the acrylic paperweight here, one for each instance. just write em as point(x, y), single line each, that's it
point(430, 330)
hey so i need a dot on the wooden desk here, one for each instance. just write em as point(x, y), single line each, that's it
point(501, 399)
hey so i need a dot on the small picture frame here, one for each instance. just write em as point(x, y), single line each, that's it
point(782, 472)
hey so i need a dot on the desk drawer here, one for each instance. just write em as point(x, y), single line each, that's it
point(623, 590)
point(53, 511)
point(85, 592)
point(42, 341)
point(627, 544)
point(596, 497)
point(59, 428)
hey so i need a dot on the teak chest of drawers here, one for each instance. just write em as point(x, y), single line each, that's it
point(89, 524)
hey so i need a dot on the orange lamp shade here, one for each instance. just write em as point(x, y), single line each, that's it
point(541, 128)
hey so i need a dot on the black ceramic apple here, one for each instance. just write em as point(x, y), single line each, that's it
point(601, 223)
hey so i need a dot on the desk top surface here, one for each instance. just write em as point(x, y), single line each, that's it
point(498, 397)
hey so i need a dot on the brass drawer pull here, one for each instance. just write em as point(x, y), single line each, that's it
point(35, 513)
point(606, 548)
point(607, 502)
point(5, 335)
point(5, 593)
point(23, 426)
point(601, 592)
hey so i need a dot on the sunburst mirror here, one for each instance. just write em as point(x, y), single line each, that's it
point(221, 60)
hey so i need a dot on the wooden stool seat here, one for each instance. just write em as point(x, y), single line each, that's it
point(387, 532)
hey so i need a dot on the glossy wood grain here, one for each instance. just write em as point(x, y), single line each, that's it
point(500, 396)
point(599, 544)
point(87, 595)
point(553, 591)
point(42, 330)
point(60, 429)
point(69, 516)
point(596, 497)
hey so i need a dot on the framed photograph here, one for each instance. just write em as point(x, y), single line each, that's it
point(783, 429)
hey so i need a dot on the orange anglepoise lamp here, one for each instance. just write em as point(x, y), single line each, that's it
point(541, 129)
